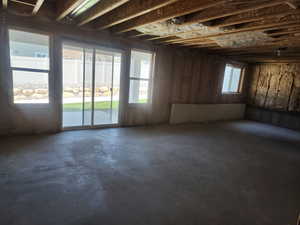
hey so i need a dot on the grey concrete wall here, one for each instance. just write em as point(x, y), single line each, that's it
point(277, 118)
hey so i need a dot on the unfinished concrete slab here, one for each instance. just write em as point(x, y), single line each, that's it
point(220, 173)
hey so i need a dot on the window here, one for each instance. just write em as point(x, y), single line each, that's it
point(29, 59)
point(140, 76)
point(40, 55)
point(232, 79)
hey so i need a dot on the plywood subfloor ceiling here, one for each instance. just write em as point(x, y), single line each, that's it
point(249, 30)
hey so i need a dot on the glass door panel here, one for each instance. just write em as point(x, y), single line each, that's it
point(116, 88)
point(73, 61)
point(103, 87)
point(88, 87)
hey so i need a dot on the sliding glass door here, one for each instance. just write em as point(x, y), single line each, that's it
point(106, 87)
point(91, 84)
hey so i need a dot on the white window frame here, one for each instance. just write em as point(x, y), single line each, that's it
point(241, 79)
point(150, 79)
point(11, 68)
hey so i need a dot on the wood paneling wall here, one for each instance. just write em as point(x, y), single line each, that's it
point(182, 76)
point(159, 111)
point(198, 79)
point(275, 87)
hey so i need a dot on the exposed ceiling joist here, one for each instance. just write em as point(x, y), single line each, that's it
point(292, 4)
point(285, 39)
point(205, 46)
point(37, 6)
point(176, 9)
point(247, 19)
point(271, 46)
point(240, 28)
point(270, 51)
point(200, 43)
point(101, 8)
point(276, 60)
point(24, 3)
point(134, 34)
point(260, 27)
point(130, 10)
point(4, 4)
point(66, 7)
point(163, 41)
point(293, 31)
point(264, 53)
point(180, 40)
point(218, 12)
point(238, 19)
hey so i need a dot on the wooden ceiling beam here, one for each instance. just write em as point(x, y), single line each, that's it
point(269, 59)
point(206, 46)
point(24, 3)
point(247, 20)
point(130, 10)
point(286, 39)
point(166, 39)
point(178, 41)
point(66, 7)
point(270, 51)
point(240, 20)
point(37, 6)
point(133, 34)
point(284, 32)
point(198, 43)
point(294, 26)
point(253, 49)
point(266, 54)
point(176, 9)
point(101, 8)
point(261, 27)
point(259, 15)
point(4, 4)
point(259, 51)
point(292, 4)
point(260, 47)
point(217, 12)
point(250, 19)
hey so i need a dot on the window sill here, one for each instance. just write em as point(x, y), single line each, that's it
point(139, 104)
point(31, 105)
point(231, 93)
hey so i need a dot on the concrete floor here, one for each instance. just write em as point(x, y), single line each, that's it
point(234, 173)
